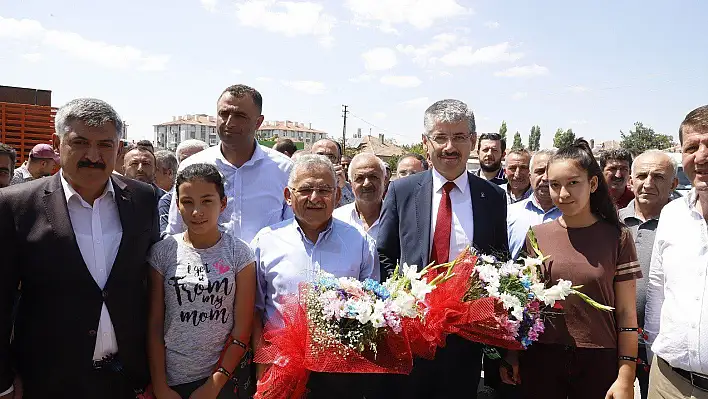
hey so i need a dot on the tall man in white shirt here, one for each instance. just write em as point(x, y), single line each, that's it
point(77, 243)
point(676, 313)
point(366, 174)
point(433, 216)
point(254, 176)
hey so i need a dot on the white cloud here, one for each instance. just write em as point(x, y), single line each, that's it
point(264, 79)
point(419, 102)
point(32, 57)
point(306, 86)
point(523, 71)
point(209, 5)
point(488, 24)
point(579, 89)
point(519, 95)
point(380, 115)
point(379, 59)
point(421, 14)
point(290, 18)
point(466, 56)
point(364, 77)
point(401, 81)
point(423, 55)
point(97, 52)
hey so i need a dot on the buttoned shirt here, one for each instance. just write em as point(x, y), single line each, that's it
point(510, 199)
point(347, 195)
point(98, 232)
point(254, 191)
point(462, 231)
point(285, 257)
point(677, 292)
point(523, 215)
point(349, 214)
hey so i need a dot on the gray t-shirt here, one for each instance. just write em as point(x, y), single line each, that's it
point(200, 288)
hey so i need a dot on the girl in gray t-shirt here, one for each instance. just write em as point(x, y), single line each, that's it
point(202, 298)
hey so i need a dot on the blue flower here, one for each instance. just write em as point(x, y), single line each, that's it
point(526, 282)
point(526, 342)
point(376, 288)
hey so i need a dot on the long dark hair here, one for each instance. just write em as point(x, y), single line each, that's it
point(601, 204)
point(201, 171)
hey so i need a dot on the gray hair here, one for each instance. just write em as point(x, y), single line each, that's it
point(366, 156)
point(165, 159)
point(448, 111)
point(549, 152)
point(189, 145)
point(310, 162)
point(91, 111)
point(674, 163)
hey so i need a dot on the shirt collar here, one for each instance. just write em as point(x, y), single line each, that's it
point(526, 194)
point(532, 202)
point(462, 182)
point(258, 154)
point(355, 213)
point(69, 191)
point(323, 235)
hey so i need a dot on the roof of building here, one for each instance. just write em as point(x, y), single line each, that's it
point(376, 146)
point(288, 125)
point(198, 119)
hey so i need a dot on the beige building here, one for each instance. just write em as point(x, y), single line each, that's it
point(199, 126)
point(294, 131)
point(376, 145)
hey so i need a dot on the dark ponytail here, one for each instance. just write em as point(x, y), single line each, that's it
point(601, 203)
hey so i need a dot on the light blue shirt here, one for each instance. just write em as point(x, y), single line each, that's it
point(254, 191)
point(520, 217)
point(285, 257)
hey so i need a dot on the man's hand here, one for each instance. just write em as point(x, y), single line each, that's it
point(341, 180)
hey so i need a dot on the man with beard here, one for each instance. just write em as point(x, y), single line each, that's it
point(616, 165)
point(139, 164)
point(367, 173)
point(517, 173)
point(536, 209)
point(490, 150)
point(254, 176)
point(42, 162)
point(8, 157)
point(432, 217)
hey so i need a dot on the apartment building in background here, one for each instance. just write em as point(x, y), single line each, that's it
point(294, 131)
point(198, 126)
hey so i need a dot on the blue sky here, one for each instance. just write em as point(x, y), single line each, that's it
point(596, 67)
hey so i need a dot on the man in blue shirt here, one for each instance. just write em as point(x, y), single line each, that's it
point(536, 209)
point(296, 249)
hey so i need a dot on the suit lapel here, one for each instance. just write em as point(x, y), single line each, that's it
point(480, 205)
point(58, 215)
point(126, 212)
point(423, 207)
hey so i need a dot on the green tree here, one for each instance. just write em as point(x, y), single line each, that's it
point(502, 130)
point(644, 138)
point(418, 148)
point(518, 145)
point(535, 138)
point(563, 138)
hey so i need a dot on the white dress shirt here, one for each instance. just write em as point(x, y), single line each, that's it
point(461, 233)
point(348, 214)
point(98, 234)
point(254, 191)
point(677, 293)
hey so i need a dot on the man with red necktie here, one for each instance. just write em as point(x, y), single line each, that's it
point(431, 217)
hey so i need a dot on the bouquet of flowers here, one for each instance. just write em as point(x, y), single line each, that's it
point(508, 299)
point(343, 325)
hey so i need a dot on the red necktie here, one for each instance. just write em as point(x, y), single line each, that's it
point(440, 253)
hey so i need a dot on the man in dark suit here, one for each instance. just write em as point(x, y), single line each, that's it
point(77, 243)
point(431, 217)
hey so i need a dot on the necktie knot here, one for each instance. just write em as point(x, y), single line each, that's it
point(447, 187)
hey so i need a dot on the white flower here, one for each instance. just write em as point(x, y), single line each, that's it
point(420, 288)
point(406, 303)
point(488, 259)
point(512, 304)
point(487, 273)
point(558, 292)
point(364, 310)
point(532, 262)
point(377, 316)
point(492, 290)
point(510, 268)
point(410, 272)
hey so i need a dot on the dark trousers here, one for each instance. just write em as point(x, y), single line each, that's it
point(342, 385)
point(227, 392)
point(643, 373)
point(97, 384)
point(492, 379)
point(454, 373)
point(560, 372)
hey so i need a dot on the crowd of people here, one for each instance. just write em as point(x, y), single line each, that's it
point(134, 273)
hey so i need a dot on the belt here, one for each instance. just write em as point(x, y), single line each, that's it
point(699, 381)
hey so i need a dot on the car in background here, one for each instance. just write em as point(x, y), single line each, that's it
point(684, 184)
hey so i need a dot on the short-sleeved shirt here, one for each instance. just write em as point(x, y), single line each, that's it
point(200, 287)
point(595, 257)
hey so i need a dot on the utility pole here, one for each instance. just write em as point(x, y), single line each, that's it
point(344, 128)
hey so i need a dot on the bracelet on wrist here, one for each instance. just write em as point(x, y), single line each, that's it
point(224, 372)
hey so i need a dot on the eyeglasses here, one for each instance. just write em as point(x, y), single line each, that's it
point(442, 139)
point(307, 191)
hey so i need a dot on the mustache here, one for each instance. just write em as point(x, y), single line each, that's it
point(88, 164)
point(450, 154)
point(617, 179)
point(313, 205)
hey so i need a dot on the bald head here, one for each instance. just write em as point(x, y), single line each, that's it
point(367, 174)
point(653, 179)
point(328, 148)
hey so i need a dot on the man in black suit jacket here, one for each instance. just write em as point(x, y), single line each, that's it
point(77, 244)
point(415, 230)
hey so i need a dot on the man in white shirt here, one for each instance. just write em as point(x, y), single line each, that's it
point(366, 174)
point(254, 176)
point(77, 243)
point(676, 313)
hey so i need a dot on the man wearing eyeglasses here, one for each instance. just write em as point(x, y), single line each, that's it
point(432, 217)
point(333, 151)
point(491, 148)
